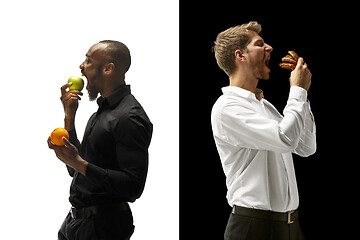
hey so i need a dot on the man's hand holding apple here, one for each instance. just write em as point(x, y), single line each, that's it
point(70, 101)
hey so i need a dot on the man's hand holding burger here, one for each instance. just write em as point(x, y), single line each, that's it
point(301, 75)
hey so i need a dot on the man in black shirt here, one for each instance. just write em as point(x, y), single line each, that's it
point(109, 167)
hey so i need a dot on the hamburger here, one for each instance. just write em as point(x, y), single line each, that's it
point(289, 61)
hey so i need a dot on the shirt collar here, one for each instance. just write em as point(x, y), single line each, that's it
point(115, 97)
point(238, 91)
point(242, 92)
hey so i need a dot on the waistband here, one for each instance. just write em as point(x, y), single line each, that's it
point(86, 212)
point(288, 217)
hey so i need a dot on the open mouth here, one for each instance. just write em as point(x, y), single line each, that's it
point(83, 74)
point(267, 62)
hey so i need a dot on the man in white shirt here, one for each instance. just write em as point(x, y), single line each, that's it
point(255, 142)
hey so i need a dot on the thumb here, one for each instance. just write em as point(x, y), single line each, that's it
point(66, 142)
point(300, 62)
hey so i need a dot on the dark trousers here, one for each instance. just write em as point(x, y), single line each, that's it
point(242, 227)
point(116, 225)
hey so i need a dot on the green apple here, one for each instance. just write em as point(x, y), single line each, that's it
point(77, 83)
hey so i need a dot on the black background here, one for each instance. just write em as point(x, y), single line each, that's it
point(325, 35)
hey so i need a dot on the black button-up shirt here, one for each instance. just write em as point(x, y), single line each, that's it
point(115, 144)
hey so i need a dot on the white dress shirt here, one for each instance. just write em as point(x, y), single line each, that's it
point(255, 143)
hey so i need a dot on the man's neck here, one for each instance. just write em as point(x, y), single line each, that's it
point(111, 87)
point(243, 81)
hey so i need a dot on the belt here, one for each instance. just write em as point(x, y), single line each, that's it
point(86, 212)
point(288, 217)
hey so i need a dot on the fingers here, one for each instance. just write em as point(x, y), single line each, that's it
point(64, 87)
point(50, 144)
point(67, 142)
point(60, 150)
point(70, 96)
point(301, 76)
point(300, 63)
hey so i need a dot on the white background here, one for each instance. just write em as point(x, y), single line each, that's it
point(42, 45)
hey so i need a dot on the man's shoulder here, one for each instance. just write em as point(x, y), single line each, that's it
point(229, 99)
point(129, 109)
point(130, 119)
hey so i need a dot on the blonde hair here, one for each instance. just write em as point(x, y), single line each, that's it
point(230, 40)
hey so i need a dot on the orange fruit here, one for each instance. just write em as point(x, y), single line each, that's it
point(57, 134)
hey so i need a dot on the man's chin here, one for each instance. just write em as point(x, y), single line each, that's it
point(92, 95)
point(266, 76)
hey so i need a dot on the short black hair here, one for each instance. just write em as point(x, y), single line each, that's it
point(119, 54)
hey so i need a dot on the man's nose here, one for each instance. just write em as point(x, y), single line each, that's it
point(268, 47)
point(82, 65)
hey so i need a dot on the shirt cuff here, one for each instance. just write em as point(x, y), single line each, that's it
point(298, 93)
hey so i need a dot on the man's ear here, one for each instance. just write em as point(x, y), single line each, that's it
point(110, 67)
point(239, 55)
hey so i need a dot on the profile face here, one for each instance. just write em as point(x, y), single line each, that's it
point(92, 67)
point(258, 56)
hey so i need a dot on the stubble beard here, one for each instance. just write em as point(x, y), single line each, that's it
point(93, 93)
